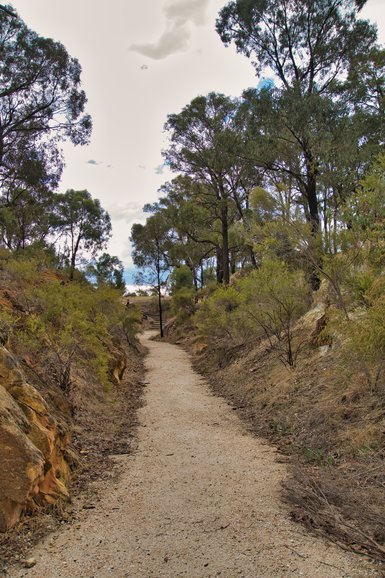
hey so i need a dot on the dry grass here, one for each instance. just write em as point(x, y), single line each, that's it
point(325, 417)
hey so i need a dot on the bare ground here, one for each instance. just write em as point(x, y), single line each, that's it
point(200, 497)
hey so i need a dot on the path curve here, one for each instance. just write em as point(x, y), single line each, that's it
point(199, 498)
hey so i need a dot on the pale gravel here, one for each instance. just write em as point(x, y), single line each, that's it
point(200, 497)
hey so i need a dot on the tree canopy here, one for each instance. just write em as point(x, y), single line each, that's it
point(272, 172)
point(41, 104)
point(83, 223)
point(310, 46)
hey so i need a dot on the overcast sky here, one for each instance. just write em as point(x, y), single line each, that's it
point(141, 60)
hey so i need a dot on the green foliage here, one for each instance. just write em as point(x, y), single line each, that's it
point(263, 205)
point(41, 104)
point(216, 316)
point(357, 266)
point(67, 322)
point(26, 217)
point(265, 303)
point(180, 278)
point(365, 343)
point(83, 222)
point(131, 324)
point(207, 146)
point(150, 253)
point(365, 214)
point(108, 270)
point(275, 297)
point(64, 325)
point(183, 303)
point(8, 325)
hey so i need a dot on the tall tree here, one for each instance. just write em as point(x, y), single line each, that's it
point(150, 247)
point(194, 232)
point(206, 145)
point(108, 270)
point(311, 47)
point(41, 104)
point(85, 225)
point(26, 217)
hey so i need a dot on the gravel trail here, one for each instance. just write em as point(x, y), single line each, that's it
point(198, 498)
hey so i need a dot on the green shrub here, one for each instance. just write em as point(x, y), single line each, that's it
point(180, 278)
point(183, 304)
point(275, 297)
point(365, 344)
point(67, 323)
point(216, 317)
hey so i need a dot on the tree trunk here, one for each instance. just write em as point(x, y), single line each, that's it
point(74, 251)
point(219, 266)
point(225, 243)
point(312, 203)
point(160, 304)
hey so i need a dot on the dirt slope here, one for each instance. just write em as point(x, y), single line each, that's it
point(199, 498)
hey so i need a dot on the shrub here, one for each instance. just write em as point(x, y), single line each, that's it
point(215, 318)
point(183, 304)
point(275, 297)
point(365, 345)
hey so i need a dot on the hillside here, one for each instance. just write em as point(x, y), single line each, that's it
point(70, 375)
point(322, 415)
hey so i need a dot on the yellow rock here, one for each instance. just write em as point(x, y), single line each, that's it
point(34, 470)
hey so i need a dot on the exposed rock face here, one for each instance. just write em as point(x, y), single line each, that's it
point(33, 470)
point(118, 363)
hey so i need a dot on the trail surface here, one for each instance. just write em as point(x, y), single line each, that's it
point(199, 498)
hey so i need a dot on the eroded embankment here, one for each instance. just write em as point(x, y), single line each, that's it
point(323, 417)
point(51, 446)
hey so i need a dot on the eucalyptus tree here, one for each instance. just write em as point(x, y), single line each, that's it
point(150, 254)
point(108, 271)
point(207, 146)
point(312, 48)
point(195, 235)
point(26, 217)
point(83, 223)
point(285, 137)
point(41, 104)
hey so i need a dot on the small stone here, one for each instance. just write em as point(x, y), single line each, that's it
point(29, 563)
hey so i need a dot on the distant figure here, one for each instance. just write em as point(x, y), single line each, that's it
point(127, 303)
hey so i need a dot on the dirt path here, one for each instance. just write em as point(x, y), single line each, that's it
point(199, 498)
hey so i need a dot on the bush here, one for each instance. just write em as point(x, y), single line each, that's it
point(266, 303)
point(61, 323)
point(275, 297)
point(67, 323)
point(183, 304)
point(216, 317)
point(365, 345)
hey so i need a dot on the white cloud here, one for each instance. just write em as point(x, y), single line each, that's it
point(174, 39)
point(129, 213)
point(193, 10)
point(180, 14)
